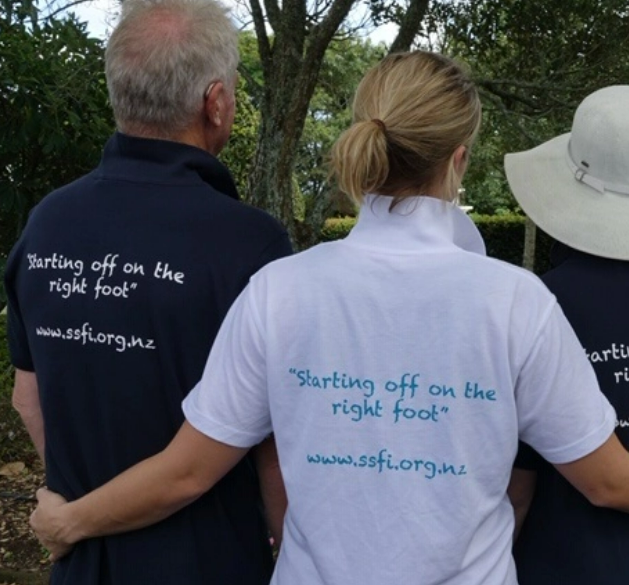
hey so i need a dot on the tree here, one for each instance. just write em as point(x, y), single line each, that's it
point(329, 113)
point(291, 57)
point(53, 103)
point(534, 63)
point(241, 147)
point(53, 107)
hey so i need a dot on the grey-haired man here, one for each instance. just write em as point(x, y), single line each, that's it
point(117, 289)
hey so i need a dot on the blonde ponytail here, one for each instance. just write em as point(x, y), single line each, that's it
point(411, 112)
point(359, 159)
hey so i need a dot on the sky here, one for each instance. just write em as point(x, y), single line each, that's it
point(100, 16)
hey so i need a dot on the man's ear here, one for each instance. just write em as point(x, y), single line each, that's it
point(214, 103)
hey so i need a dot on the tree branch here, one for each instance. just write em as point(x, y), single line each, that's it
point(318, 41)
point(294, 18)
point(264, 46)
point(323, 33)
point(409, 27)
point(320, 8)
point(509, 116)
point(273, 13)
point(63, 8)
point(255, 88)
point(493, 88)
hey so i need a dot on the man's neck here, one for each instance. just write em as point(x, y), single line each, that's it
point(193, 136)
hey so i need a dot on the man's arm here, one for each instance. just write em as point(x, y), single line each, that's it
point(26, 402)
point(144, 494)
point(602, 476)
point(271, 487)
point(520, 491)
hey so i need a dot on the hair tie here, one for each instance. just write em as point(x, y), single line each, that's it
point(380, 124)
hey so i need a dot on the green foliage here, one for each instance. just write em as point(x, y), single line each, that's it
point(241, 148)
point(3, 295)
point(533, 62)
point(5, 362)
point(486, 187)
point(53, 103)
point(503, 236)
point(336, 228)
point(53, 107)
point(329, 113)
point(6, 241)
point(504, 239)
point(250, 68)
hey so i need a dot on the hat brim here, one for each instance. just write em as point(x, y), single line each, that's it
point(568, 210)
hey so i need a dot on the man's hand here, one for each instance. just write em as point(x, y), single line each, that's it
point(48, 524)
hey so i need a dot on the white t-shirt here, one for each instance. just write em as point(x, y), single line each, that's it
point(397, 369)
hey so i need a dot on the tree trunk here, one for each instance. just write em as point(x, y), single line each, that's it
point(270, 180)
point(409, 27)
point(291, 63)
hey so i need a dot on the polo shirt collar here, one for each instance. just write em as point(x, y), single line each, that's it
point(163, 162)
point(561, 253)
point(416, 224)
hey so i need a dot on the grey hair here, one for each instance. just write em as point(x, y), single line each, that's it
point(161, 58)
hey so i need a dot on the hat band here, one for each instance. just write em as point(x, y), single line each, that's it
point(581, 175)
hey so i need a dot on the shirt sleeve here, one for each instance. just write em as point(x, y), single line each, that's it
point(230, 402)
point(19, 349)
point(562, 413)
point(278, 248)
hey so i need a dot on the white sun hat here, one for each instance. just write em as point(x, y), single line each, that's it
point(575, 187)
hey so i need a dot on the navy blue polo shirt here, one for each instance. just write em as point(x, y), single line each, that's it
point(116, 290)
point(564, 538)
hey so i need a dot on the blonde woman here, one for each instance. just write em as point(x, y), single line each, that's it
point(397, 369)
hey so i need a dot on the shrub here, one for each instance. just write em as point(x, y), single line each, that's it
point(337, 228)
point(504, 239)
point(3, 296)
point(7, 239)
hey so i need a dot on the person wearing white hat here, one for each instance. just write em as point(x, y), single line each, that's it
point(576, 188)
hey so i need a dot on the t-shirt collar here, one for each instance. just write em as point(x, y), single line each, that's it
point(415, 224)
point(170, 163)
